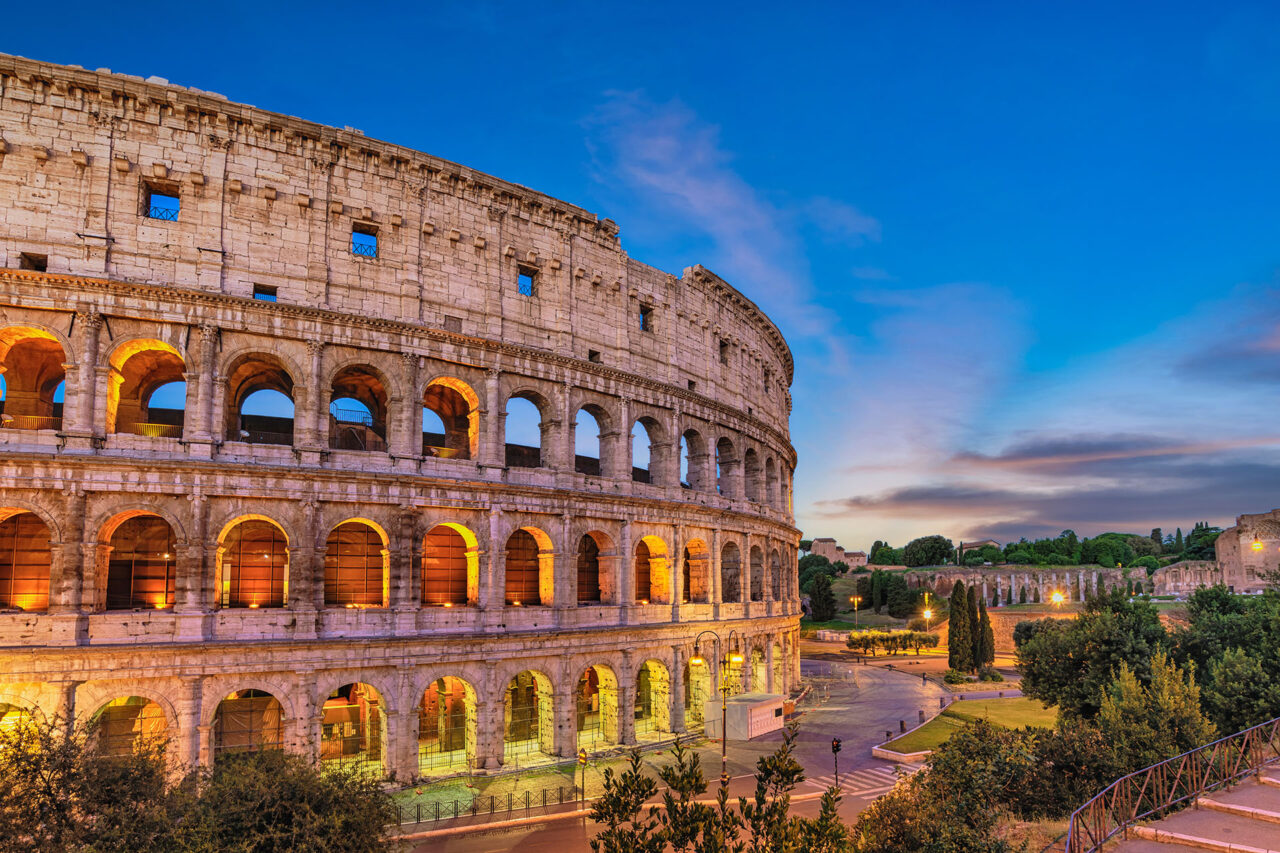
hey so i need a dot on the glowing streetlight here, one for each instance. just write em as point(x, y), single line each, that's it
point(855, 600)
point(731, 656)
point(1256, 544)
point(1057, 598)
point(928, 614)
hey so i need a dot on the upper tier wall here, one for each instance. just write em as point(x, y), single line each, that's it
point(271, 201)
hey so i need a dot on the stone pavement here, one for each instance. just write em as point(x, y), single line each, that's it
point(1244, 819)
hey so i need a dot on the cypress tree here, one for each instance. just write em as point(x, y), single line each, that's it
point(995, 598)
point(986, 639)
point(1022, 595)
point(975, 636)
point(1008, 596)
point(1036, 589)
point(1177, 541)
point(959, 640)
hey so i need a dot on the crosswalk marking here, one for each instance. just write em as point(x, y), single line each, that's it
point(865, 782)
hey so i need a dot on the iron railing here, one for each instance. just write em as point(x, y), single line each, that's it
point(364, 249)
point(169, 214)
point(481, 805)
point(1162, 787)
point(29, 422)
point(153, 430)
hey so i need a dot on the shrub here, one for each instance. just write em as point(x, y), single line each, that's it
point(954, 676)
point(989, 673)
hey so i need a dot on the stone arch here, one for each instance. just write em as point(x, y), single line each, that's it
point(775, 575)
point(697, 572)
point(752, 476)
point(759, 670)
point(771, 483)
point(246, 374)
point(653, 700)
point(139, 367)
point(529, 720)
point(652, 572)
point(362, 423)
point(131, 721)
point(529, 568)
point(727, 463)
point(602, 422)
point(252, 563)
point(353, 728)
point(757, 573)
point(31, 372)
point(779, 669)
point(697, 690)
point(596, 563)
point(525, 455)
point(141, 557)
point(457, 406)
point(26, 560)
point(248, 719)
point(450, 566)
point(357, 565)
point(693, 461)
point(447, 726)
point(651, 438)
point(730, 572)
point(596, 708)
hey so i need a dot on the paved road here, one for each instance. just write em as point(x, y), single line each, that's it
point(855, 703)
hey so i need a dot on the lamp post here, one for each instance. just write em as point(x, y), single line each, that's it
point(928, 614)
point(1057, 599)
point(727, 657)
point(855, 600)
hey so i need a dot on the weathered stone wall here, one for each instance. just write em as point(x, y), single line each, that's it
point(993, 580)
point(268, 200)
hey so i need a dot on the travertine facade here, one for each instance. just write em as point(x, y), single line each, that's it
point(1246, 555)
point(238, 573)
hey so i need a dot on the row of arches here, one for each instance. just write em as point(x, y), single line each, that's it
point(147, 394)
point(138, 566)
point(447, 727)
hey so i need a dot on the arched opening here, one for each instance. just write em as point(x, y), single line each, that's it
point(25, 561)
point(253, 565)
point(129, 724)
point(259, 401)
point(642, 450)
point(13, 717)
point(731, 674)
point(450, 419)
point(31, 365)
point(771, 483)
point(529, 724)
point(146, 378)
point(652, 571)
point(358, 410)
point(248, 721)
point(775, 576)
point(353, 729)
point(653, 701)
point(759, 672)
point(697, 688)
point(752, 475)
point(356, 566)
point(524, 431)
point(697, 572)
point(141, 567)
point(450, 566)
point(730, 573)
point(693, 455)
point(779, 670)
point(586, 442)
point(447, 727)
point(726, 468)
point(597, 708)
point(528, 568)
point(588, 570)
point(757, 573)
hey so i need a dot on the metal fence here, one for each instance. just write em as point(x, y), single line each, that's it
point(29, 422)
point(1164, 787)
point(494, 804)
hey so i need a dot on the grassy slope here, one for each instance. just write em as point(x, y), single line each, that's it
point(1009, 713)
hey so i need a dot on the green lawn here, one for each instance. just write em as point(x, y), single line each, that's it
point(1010, 713)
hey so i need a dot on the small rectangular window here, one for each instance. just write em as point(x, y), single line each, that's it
point(264, 293)
point(525, 283)
point(724, 351)
point(646, 318)
point(163, 204)
point(364, 240)
point(34, 262)
point(453, 324)
point(593, 356)
point(693, 386)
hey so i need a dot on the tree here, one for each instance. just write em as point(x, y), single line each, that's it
point(1240, 692)
point(899, 599)
point(806, 545)
point(1008, 596)
point(1158, 538)
point(959, 636)
point(1037, 593)
point(986, 638)
point(1022, 595)
point(995, 598)
point(975, 628)
point(1145, 723)
point(1177, 541)
point(1148, 562)
point(928, 551)
point(822, 602)
point(1200, 542)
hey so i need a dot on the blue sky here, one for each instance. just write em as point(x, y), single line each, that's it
point(1025, 255)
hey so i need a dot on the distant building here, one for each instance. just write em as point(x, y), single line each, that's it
point(981, 543)
point(1246, 554)
point(827, 547)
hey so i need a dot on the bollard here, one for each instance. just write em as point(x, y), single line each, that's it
point(922, 715)
point(942, 702)
point(888, 736)
point(902, 726)
point(1000, 695)
point(923, 680)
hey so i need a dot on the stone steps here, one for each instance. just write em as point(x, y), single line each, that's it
point(1244, 819)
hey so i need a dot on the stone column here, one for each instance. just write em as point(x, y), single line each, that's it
point(627, 700)
point(192, 602)
point(492, 580)
point(306, 725)
point(566, 714)
point(677, 689)
point(309, 411)
point(405, 418)
point(82, 385)
point(716, 580)
point(66, 576)
point(405, 581)
point(187, 738)
point(402, 745)
point(490, 710)
point(621, 457)
point(197, 423)
point(493, 454)
point(626, 573)
point(567, 450)
point(768, 668)
point(565, 590)
point(675, 573)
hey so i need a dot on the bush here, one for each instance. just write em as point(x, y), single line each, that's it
point(954, 676)
point(989, 673)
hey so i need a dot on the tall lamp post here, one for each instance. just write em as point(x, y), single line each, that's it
point(855, 600)
point(728, 656)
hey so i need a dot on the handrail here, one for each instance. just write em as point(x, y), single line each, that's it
point(1162, 786)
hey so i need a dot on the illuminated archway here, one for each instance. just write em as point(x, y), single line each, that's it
point(529, 724)
point(596, 699)
point(447, 718)
point(697, 571)
point(247, 721)
point(697, 689)
point(25, 561)
point(129, 724)
point(779, 670)
point(356, 566)
point(653, 701)
point(31, 367)
point(142, 564)
point(353, 729)
point(759, 672)
point(730, 573)
point(253, 564)
point(450, 566)
point(652, 571)
point(528, 568)
point(139, 368)
point(454, 418)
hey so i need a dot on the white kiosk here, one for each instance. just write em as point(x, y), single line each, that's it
point(750, 715)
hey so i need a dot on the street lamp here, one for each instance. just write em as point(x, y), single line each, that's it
point(928, 614)
point(856, 600)
point(1057, 598)
point(729, 656)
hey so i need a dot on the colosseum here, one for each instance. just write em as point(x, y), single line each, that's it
point(261, 485)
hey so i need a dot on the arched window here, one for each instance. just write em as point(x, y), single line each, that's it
point(355, 567)
point(25, 561)
point(641, 451)
point(596, 699)
point(586, 440)
point(31, 361)
point(358, 410)
point(259, 401)
point(757, 574)
point(693, 453)
point(129, 723)
point(653, 701)
point(726, 468)
point(447, 727)
point(528, 568)
point(775, 576)
point(752, 474)
point(139, 370)
point(254, 567)
point(697, 567)
point(730, 573)
point(523, 433)
point(247, 721)
point(450, 566)
point(529, 724)
point(450, 420)
point(353, 729)
point(140, 570)
point(771, 496)
point(588, 570)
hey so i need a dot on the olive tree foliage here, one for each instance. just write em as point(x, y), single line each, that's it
point(760, 824)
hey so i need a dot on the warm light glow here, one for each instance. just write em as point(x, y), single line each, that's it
point(696, 660)
point(168, 556)
point(644, 601)
point(1057, 598)
point(1257, 544)
point(735, 657)
point(160, 604)
point(448, 604)
point(928, 614)
point(515, 604)
point(253, 606)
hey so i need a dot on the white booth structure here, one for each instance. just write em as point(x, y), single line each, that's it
point(750, 715)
